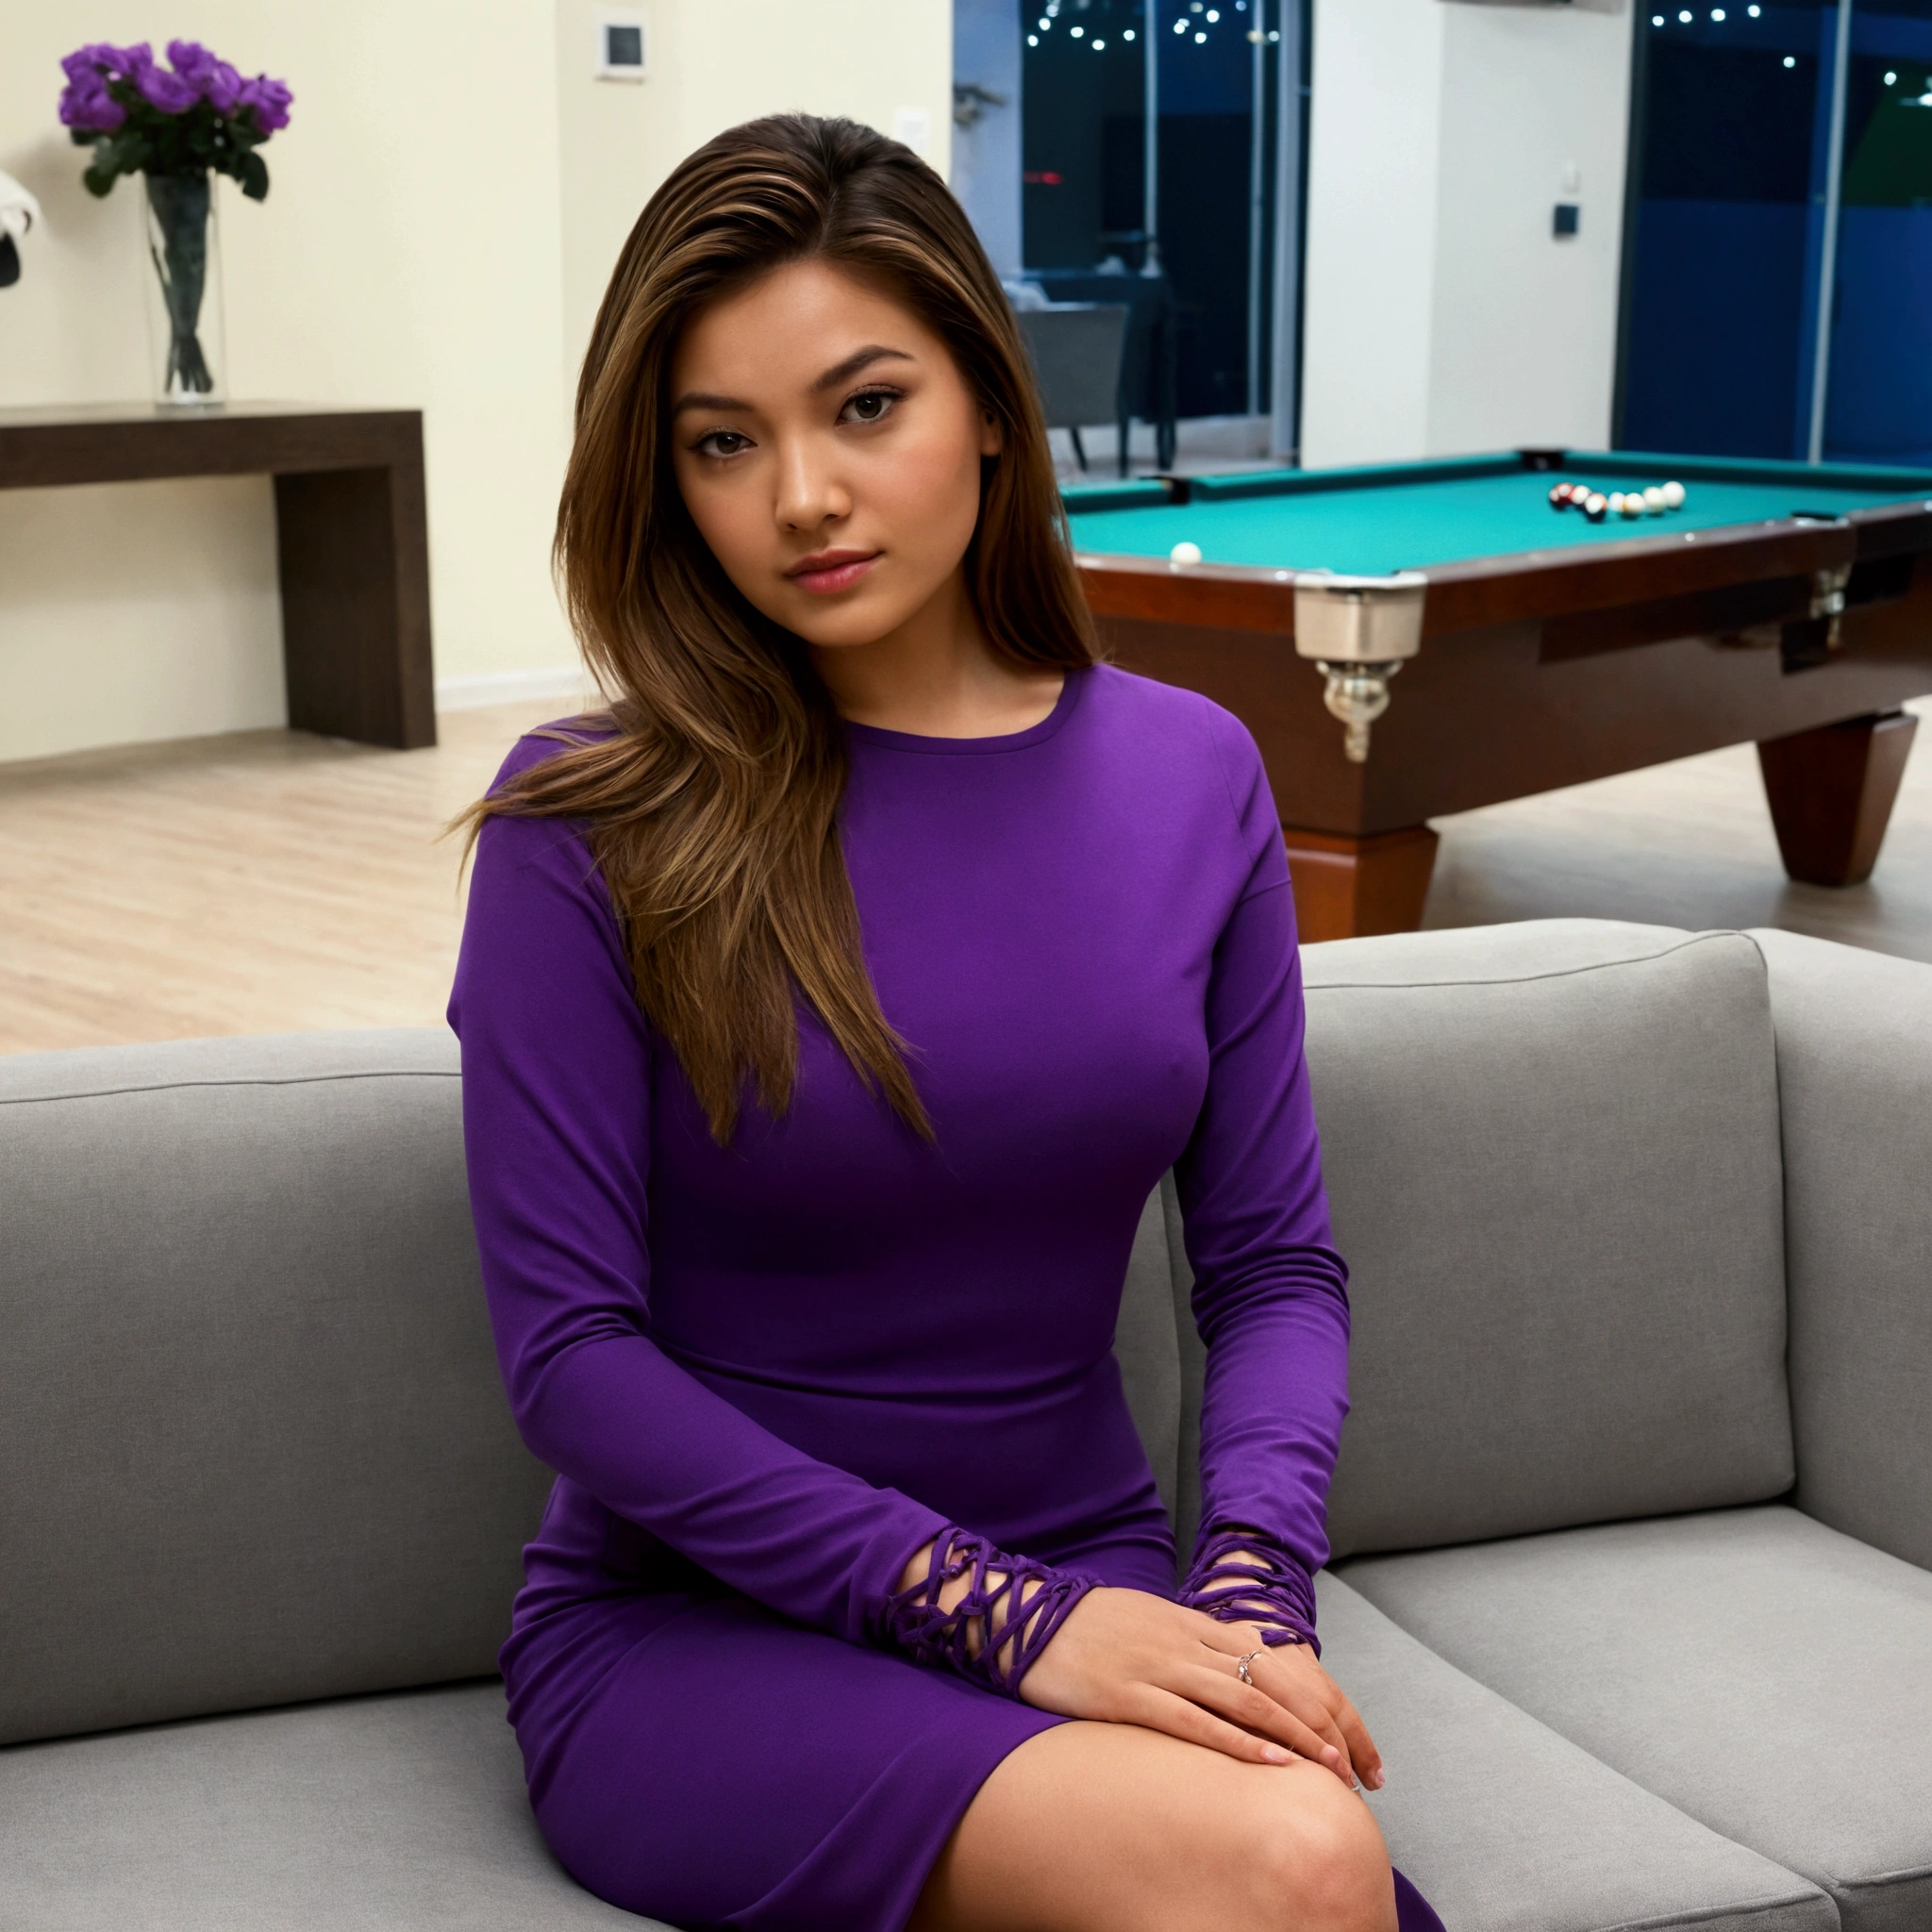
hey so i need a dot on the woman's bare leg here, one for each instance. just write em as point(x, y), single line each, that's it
point(1098, 1827)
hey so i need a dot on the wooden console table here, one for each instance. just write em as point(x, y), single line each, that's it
point(351, 535)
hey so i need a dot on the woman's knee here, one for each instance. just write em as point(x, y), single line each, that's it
point(1319, 1863)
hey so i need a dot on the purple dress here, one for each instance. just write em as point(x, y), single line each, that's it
point(768, 1374)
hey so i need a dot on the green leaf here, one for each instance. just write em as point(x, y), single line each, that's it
point(83, 136)
point(95, 182)
point(252, 172)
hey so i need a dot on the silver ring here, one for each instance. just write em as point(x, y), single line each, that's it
point(1240, 1668)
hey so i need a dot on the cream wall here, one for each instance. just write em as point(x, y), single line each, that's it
point(408, 255)
point(1441, 315)
point(444, 209)
point(713, 65)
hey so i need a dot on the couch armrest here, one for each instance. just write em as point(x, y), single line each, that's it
point(1854, 1093)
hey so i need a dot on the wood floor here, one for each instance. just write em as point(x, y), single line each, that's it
point(272, 882)
point(261, 882)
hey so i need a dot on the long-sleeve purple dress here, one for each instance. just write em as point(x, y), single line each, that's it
point(768, 1374)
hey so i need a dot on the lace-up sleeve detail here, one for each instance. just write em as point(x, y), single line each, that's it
point(1279, 1598)
point(1017, 1604)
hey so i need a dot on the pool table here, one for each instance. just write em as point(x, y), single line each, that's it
point(1783, 603)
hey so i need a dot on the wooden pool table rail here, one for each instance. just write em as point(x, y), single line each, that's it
point(1542, 584)
point(1551, 668)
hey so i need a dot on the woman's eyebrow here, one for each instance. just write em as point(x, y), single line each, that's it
point(842, 372)
point(859, 358)
point(700, 399)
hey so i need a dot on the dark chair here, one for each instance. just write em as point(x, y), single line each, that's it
point(1148, 363)
point(1076, 349)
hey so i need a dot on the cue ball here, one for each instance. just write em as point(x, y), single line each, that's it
point(1185, 553)
point(1654, 500)
point(1615, 503)
point(1674, 496)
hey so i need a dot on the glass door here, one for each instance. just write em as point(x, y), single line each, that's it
point(1878, 343)
point(1201, 203)
point(1778, 276)
point(1729, 155)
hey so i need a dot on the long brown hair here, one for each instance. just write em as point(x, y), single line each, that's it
point(710, 792)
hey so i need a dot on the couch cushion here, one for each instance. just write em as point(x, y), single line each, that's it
point(1855, 1084)
point(1505, 1827)
point(1145, 1346)
point(1766, 1675)
point(255, 1446)
point(391, 1812)
point(1552, 1151)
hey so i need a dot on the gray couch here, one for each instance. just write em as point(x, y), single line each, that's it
point(1632, 1525)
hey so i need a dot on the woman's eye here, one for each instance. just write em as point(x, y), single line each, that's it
point(721, 442)
point(870, 406)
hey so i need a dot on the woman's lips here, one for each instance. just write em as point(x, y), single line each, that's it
point(832, 569)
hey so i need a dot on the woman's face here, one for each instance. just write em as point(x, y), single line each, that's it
point(829, 451)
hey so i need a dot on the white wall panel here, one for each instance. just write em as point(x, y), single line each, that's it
point(1523, 333)
point(1442, 316)
point(1374, 140)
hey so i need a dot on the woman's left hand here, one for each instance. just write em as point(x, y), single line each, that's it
point(1292, 1673)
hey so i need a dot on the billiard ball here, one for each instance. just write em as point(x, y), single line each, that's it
point(1559, 496)
point(1595, 507)
point(1653, 501)
point(1185, 553)
point(1633, 503)
point(1674, 495)
point(1615, 501)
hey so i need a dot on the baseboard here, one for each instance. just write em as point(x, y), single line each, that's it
point(569, 683)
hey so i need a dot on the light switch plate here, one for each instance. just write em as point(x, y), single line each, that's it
point(623, 50)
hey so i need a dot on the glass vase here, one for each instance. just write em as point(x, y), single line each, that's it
point(184, 292)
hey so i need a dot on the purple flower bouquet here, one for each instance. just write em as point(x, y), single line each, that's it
point(175, 125)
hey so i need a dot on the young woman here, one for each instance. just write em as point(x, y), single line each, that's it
point(829, 1010)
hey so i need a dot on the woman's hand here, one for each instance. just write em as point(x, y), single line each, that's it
point(1292, 1673)
point(1125, 1656)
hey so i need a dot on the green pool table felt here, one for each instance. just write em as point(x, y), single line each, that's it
point(1369, 523)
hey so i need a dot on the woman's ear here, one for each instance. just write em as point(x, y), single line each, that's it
point(992, 442)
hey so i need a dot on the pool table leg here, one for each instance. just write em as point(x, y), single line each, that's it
point(1346, 887)
point(1831, 792)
